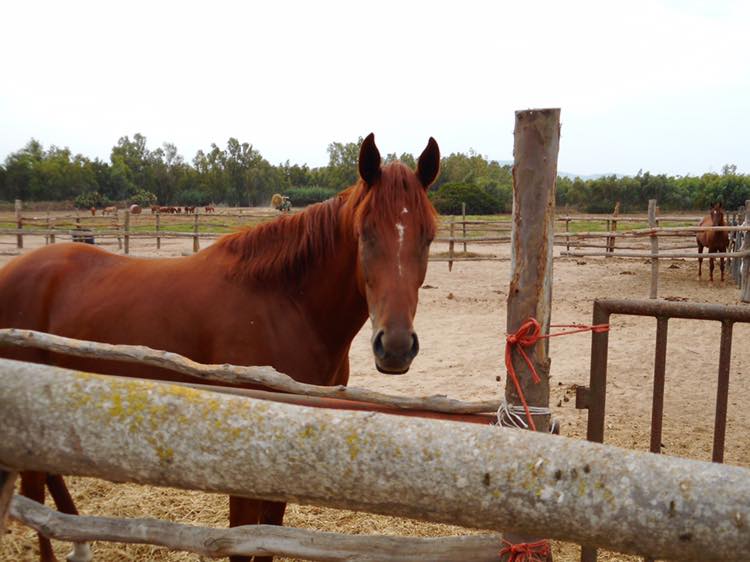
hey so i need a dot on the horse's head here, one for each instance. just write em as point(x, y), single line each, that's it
point(717, 215)
point(395, 223)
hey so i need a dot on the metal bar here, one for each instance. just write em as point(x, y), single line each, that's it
point(341, 404)
point(598, 376)
point(722, 391)
point(689, 310)
point(660, 361)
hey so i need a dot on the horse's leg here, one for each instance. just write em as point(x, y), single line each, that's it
point(32, 486)
point(700, 259)
point(59, 492)
point(243, 511)
point(710, 267)
point(271, 513)
point(721, 265)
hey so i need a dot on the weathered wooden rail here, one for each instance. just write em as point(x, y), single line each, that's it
point(476, 476)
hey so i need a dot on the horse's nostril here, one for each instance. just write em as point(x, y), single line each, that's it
point(414, 345)
point(377, 345)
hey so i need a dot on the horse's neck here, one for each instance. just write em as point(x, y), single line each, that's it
point(331, 295)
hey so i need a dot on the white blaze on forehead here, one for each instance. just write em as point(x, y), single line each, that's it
point(405, 210)
point(400, 228)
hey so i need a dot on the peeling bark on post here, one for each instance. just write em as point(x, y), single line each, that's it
point(537, 137)
point(476, 476)
point(537, 140)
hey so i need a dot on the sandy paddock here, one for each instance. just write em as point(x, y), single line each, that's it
point(460, 321)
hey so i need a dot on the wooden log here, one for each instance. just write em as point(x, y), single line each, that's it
point(468, 258)
point(654, 287)
point(661, 231)
point(476, 476)
point(535, 149)
point(7, 485)
point(661, 256)
point(451, 238)
point(231, 374)
point(258, 540)
point(745, 273)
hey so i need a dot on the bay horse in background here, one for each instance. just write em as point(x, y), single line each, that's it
point(291, 293)
point(715, 241)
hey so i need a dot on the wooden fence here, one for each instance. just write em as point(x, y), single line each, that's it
point(425, 469)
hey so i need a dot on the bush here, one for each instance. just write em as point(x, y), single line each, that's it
point(193, 197)
point(448, 199)
point(302, 196)
point(143, 198)
point(90, 199)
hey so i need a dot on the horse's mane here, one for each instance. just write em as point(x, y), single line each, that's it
point(286, 247)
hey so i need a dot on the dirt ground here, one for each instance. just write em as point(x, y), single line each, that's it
point(461, 321)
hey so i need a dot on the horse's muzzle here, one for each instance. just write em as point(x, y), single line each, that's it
point(394, 350)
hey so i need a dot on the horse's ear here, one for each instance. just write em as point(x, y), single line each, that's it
point(428, 165)
point(369, 160)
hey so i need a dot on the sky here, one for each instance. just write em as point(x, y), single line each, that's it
point(662, 86)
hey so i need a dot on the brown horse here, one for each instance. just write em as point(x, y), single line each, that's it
point(291, 293)
point(713, 240)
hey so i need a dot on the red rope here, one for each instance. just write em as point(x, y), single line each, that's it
point(526, 552)
point(527, 335)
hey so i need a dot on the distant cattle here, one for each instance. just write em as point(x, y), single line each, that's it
point(210, 209)
point(109, 210)
point(93, 211)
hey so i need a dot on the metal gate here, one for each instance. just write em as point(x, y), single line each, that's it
point(593, 397)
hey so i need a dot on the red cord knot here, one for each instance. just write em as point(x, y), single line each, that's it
point(529, 333)
point(526, 552)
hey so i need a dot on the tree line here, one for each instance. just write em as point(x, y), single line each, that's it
point(238, 175)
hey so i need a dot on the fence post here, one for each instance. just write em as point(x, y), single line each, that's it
point(654, 250)
point(51, 226)
point(158, 227)
point(734, 246)
point(19, 224)
point(463, 216)
point(196, 243)
point(612, 239)
point(116, 225)
point(450, 244)
point(535, 149)
point(745, 273)
point(46, 227)
point(567, 238)
point(126, 229)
